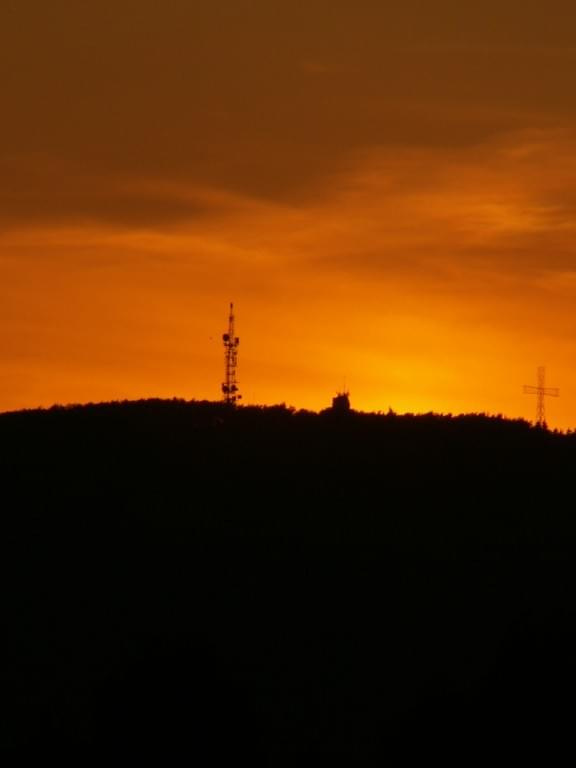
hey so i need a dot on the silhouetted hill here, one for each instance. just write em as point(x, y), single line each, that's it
point(189, 579)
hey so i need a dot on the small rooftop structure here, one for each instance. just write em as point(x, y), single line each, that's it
point(341, 402)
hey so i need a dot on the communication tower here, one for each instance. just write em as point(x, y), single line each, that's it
point(231, 342)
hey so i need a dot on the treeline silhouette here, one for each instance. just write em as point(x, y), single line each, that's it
point(186, 578)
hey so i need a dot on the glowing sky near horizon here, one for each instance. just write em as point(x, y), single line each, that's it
point(386, 191)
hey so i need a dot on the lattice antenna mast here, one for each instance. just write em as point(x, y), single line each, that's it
point(231, 342)
point(541, 391)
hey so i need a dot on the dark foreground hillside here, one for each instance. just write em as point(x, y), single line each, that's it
point(181, 580)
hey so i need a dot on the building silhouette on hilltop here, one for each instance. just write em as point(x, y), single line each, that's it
point(341, 402)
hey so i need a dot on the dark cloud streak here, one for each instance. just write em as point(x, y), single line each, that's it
point(259, 98)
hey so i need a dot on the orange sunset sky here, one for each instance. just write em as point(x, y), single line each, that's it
point(387, 192)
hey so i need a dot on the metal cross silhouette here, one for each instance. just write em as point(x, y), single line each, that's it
point(541, 391)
